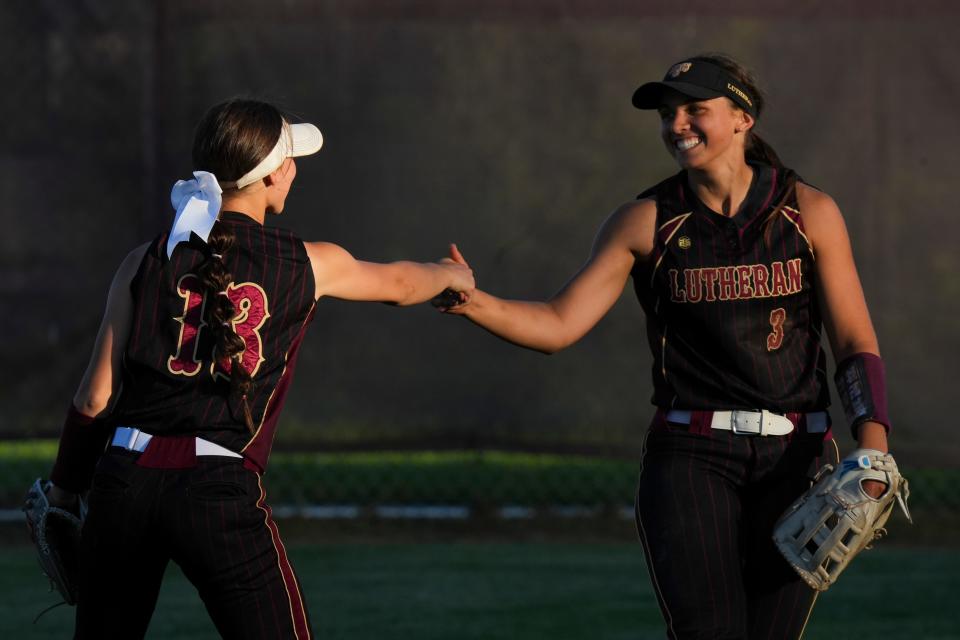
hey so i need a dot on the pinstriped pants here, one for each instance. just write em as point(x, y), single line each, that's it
point(212, 521)
point(706, 506)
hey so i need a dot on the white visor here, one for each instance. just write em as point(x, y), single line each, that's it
point(295, 140)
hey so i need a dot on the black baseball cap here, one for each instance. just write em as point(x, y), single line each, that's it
point(697, 79)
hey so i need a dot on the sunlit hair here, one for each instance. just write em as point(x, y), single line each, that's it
point(234, 136)
point(230, 140)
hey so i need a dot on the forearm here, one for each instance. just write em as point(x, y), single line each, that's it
point(872, 435)
point(97, 392)
point(534, 325)
point(411, 283)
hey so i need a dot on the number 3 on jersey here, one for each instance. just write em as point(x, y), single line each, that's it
point(775, 338)
point(250, 301)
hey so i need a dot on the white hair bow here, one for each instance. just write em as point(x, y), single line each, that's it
point(197, 203)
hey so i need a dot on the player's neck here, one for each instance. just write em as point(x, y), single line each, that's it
point(253, 206)
point(722, 187)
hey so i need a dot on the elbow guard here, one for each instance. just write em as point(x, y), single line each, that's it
point(861, 383)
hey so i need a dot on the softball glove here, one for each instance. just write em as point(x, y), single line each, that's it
point(835, 519)
point(56, 534)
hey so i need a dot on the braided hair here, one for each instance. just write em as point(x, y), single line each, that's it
point(230, 140)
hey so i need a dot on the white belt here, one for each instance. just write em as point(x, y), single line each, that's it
point(764, 423)
point(135, 440)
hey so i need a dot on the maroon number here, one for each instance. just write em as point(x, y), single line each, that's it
point(775, 339)
point(250, 301)
point(184, 362)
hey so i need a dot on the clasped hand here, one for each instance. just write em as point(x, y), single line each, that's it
point(454, 300)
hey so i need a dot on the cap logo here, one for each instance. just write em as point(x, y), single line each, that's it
point(741, 93)
point(679, 68)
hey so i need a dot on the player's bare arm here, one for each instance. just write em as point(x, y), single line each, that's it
point(625, 237)
point(100, 384)
point(339, 275)
point(101, 381)
point(845, 314)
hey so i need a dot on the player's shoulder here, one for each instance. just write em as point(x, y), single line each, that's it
point(130, 265)
point(822, 220)
point(817, 208)
point(131, 262)
point(813, 200)
point(636, 211)
point(639, 221)
point(320, 252)
point(632, 225)
point(327, 260)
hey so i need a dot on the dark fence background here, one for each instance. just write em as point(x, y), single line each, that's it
point(506, 127)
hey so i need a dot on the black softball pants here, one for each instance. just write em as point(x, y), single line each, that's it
point(706, 506)
point(212, 521)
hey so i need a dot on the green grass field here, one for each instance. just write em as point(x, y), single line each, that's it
point(509, 590)
point(564, 579)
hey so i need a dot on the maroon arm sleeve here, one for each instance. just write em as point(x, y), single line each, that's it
point(81, 443)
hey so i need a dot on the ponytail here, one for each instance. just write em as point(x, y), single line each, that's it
point(759, 151)
point(230, 140)
point(218, 313)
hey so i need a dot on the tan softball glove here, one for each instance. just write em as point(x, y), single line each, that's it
point(836, 519)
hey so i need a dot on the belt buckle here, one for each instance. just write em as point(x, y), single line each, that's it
point(735, 423)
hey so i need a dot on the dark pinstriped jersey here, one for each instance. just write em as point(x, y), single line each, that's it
point(732, 316)
point(171, 384)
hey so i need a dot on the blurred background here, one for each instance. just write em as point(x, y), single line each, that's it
point(505, 127)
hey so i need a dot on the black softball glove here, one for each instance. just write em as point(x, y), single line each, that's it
point(56, 534)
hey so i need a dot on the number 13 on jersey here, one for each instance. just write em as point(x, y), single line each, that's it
point(250, 301)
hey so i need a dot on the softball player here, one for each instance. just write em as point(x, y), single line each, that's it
point(737, 264)
point(191, 366)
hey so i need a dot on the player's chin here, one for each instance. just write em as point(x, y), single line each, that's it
point(277, 207)
point(689, 159)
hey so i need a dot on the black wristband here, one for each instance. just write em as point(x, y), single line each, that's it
point(861, 383)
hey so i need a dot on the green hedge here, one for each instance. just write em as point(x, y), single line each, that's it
point(475, 478)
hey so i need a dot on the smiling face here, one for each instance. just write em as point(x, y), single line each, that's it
point(698, 133)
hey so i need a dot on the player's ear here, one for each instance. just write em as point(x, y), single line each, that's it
point(278, 173)
point(743, 121)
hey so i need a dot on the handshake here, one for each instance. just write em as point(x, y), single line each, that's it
point(451, 299)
